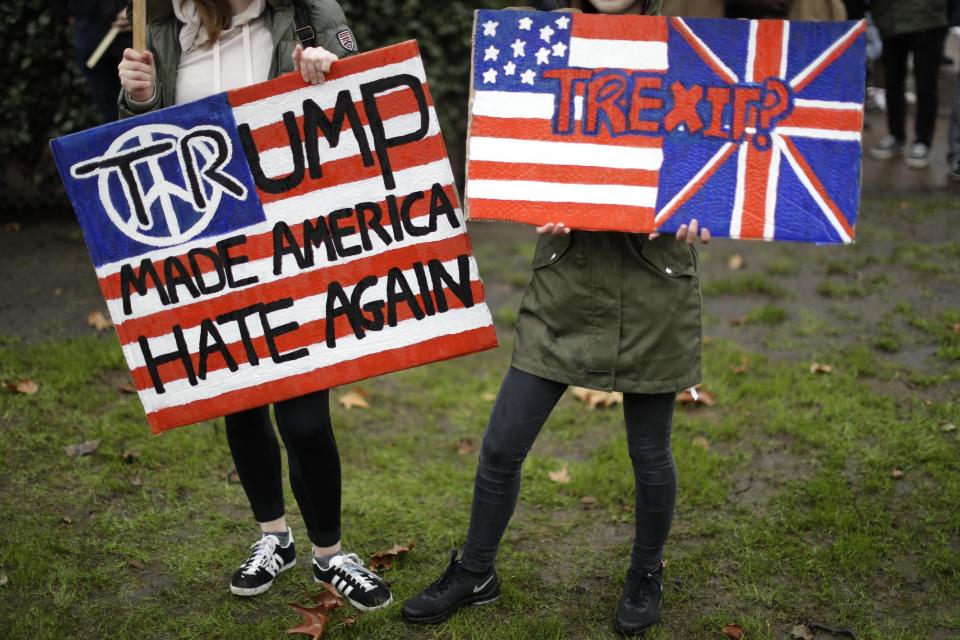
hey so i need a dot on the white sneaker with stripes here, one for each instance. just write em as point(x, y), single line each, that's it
point(361, 587)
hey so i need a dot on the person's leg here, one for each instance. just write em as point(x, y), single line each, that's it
point(927, 50)
point(895, 70)
point(648, 419)
point(523, 405)
point(256, 455)
point(314, 461)
point(953, 133)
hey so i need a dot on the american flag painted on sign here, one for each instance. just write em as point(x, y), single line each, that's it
point(288, 238)
point(636, 123)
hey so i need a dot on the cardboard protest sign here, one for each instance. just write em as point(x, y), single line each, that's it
point(279, 239)
point(640, 123)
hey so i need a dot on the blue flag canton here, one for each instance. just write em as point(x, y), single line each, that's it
point(512, 49)
point(159, 180)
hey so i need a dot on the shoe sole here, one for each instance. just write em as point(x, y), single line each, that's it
point(917, 163)
point(351, 600)
point(440, 617)
point(632, 632)
point(255, 591)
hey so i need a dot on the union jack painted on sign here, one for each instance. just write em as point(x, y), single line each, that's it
point(636, 123)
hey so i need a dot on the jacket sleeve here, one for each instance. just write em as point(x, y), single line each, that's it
point(330, 24)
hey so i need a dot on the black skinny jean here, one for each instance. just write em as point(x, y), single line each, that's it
point(927, 49)
point(523, 405)
point(307, 433)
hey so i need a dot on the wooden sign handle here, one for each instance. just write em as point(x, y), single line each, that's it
point(140, 25)
point(102, 47)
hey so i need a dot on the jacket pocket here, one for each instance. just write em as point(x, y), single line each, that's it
point(668, 257)
point(550, 249)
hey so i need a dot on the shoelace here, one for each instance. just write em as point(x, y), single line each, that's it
point(355, 571)
point(263, 556)
point(443, 583)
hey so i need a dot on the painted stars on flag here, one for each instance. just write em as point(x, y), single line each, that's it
point(511, 55)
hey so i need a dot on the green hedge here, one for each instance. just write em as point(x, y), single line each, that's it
point(44, 94)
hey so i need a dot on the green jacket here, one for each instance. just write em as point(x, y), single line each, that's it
point(896, 17)
point(163, 30)
point(612, 311)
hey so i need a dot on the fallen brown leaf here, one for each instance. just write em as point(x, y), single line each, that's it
point(313, 623)
point(801, 632)
point(562, 476)
point(702, 442)
point(896, 474)
point(129, 456)
point(126, 387)
point(593, 398)
point(23, 387)
point(98, 321)
point(58, 292)
point(349, 622)
point(136, 481)
point(946, 428)
point(329, 599)
point(735, 262)
point(740, 368)
point(733, 631)
point(956, 328)
point(232, 476)
point(816, 367)
point(355, 398)
point(136, 564)
point(489, 397)
point(738, 321)
point(704, 397)
point(82, 449)
point(385, 559)
point(588, 501)
point(66, 520)
point(465, 446)
point(4, 580)
point(13, 227)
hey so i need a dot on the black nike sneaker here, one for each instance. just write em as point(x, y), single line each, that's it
point(361, 587)
point(265, 563)
point(456, 588)
point(639, 608)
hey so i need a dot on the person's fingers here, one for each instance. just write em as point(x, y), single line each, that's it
point(137, 67)
point(653, 236)
point(147, 57)
point(545, 229)
point(705, 235)
point(682, 233)
point(692, 231)
point(126, 74)
point(326, 62)
point(567, 231)
point(297, 55)
point(316, 75)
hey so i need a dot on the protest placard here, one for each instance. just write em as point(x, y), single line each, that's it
point(640, 123)
point(279, 239)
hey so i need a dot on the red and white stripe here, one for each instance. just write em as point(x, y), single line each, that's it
point(518, 169)
point(345, 183)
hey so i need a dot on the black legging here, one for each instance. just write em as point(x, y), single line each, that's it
point(523, 405)
point(312, 456)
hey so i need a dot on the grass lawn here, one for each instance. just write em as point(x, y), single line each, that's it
point(789, 510)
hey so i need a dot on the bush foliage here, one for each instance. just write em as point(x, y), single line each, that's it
point(45, 95)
